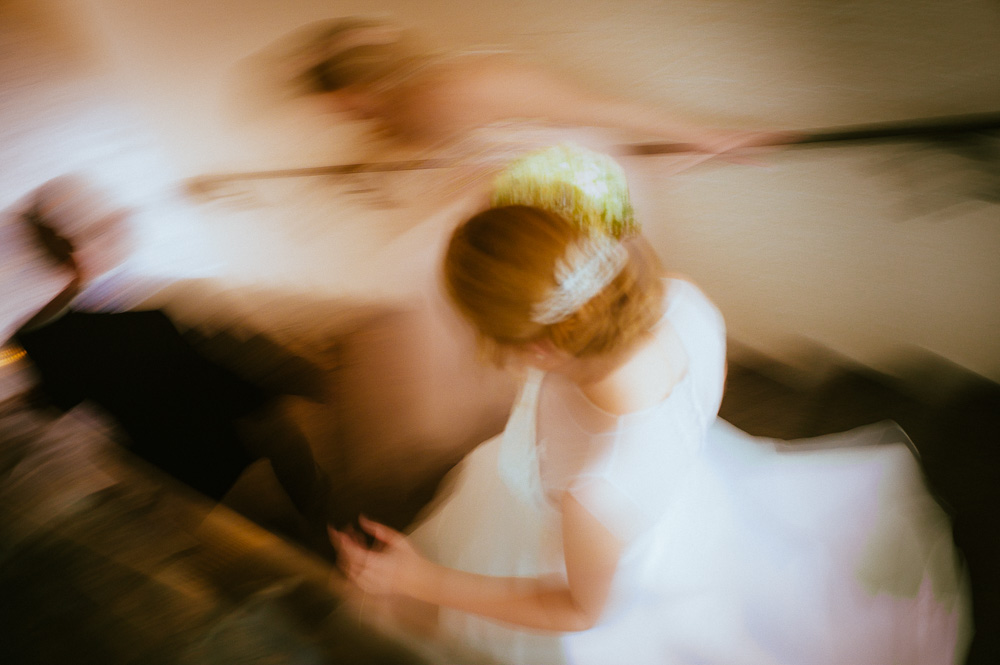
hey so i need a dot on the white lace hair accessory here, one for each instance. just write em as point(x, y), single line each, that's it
point(586, 268)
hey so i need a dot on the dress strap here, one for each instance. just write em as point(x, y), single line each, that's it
point(518, 457)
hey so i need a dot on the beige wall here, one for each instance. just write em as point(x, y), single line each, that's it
point(870, 251)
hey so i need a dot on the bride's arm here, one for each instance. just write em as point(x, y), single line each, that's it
point(591, 553)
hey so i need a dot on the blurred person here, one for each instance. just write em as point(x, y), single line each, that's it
point(191, 417)
point(373, 69)
point(470, 111)
point(617, 518)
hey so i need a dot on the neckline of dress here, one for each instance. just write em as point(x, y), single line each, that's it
point(621, 418)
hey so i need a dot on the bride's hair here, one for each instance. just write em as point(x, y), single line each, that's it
point(501, 265)
point(354, 51)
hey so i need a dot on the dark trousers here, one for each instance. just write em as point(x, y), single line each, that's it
point(180, 411)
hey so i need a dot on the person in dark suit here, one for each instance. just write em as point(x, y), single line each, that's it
point(191, 417)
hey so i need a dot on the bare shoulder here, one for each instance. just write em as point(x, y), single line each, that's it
point(685, 292)
point(490, 75)
point(476, 67)
point(464, 75)
point(480, 89)
point(677, 282)
point(471, 90)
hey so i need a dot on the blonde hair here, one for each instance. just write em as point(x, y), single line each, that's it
point(501, 264)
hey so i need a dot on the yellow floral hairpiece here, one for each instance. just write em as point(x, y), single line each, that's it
point(586, 187)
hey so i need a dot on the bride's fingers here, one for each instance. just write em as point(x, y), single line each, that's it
point(354, 535)
point(381, 532)
point(351, 555)
point(342, 541)
point(339, 542)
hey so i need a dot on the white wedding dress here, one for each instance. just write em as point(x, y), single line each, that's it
point(740, 550)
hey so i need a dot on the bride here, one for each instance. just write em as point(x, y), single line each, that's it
point(617, 519)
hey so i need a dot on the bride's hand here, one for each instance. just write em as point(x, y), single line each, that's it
point(391, 566)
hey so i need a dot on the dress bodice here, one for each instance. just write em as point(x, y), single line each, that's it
point(622, 468)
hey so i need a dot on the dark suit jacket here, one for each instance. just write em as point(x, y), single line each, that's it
point(177, 407)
